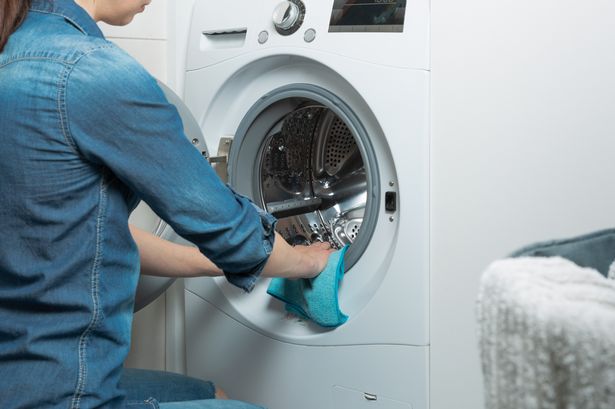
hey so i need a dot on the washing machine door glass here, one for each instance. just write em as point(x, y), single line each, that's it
point(149, 287)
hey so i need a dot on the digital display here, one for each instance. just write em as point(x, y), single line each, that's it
point(368, 16)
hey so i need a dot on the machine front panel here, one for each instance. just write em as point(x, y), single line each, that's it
point(276, 157)
point(279, 375)
point(330, 132)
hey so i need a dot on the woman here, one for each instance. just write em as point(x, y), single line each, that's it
point(86, 134)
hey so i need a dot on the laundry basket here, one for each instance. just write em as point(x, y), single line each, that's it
point(546, 319)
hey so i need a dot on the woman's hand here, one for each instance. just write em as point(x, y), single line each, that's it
point(296, 262)
point(316, 254)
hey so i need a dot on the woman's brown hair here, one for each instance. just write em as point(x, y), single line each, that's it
point(12, 14)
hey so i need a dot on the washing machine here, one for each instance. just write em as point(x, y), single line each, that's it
point(318, 110)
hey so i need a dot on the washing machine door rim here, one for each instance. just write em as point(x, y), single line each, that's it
point(278, 103)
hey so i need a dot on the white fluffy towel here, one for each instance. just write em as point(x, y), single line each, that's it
point(547, 335)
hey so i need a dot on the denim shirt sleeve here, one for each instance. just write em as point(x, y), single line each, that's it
point(118, 118)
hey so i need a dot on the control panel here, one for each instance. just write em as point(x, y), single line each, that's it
point(384, 32)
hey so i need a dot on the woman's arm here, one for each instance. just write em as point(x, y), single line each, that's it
point(163, 258)
point(160, 257)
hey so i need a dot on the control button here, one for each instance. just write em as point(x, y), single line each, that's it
point(285, 15)
point(288, 16)
point(263, 36)
point(310, 35)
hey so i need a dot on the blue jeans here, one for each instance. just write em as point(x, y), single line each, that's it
point(173, 391)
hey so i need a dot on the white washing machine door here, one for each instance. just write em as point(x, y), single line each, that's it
point(150, 287)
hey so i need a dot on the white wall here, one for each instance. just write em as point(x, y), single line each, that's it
point(523, 149)
point(146, 39)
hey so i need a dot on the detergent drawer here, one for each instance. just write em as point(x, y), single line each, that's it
point(348, 398)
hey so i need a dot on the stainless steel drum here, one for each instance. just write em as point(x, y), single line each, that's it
point(313, 178)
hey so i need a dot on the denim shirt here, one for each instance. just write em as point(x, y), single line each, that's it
point(86, 133)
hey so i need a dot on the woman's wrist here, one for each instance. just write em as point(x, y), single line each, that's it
point(308, 266)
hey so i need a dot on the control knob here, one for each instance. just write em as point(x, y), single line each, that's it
point(288, 16)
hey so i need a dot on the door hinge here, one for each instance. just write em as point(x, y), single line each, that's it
point(220, 161)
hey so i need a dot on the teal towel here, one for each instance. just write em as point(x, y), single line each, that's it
point(314, 299)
